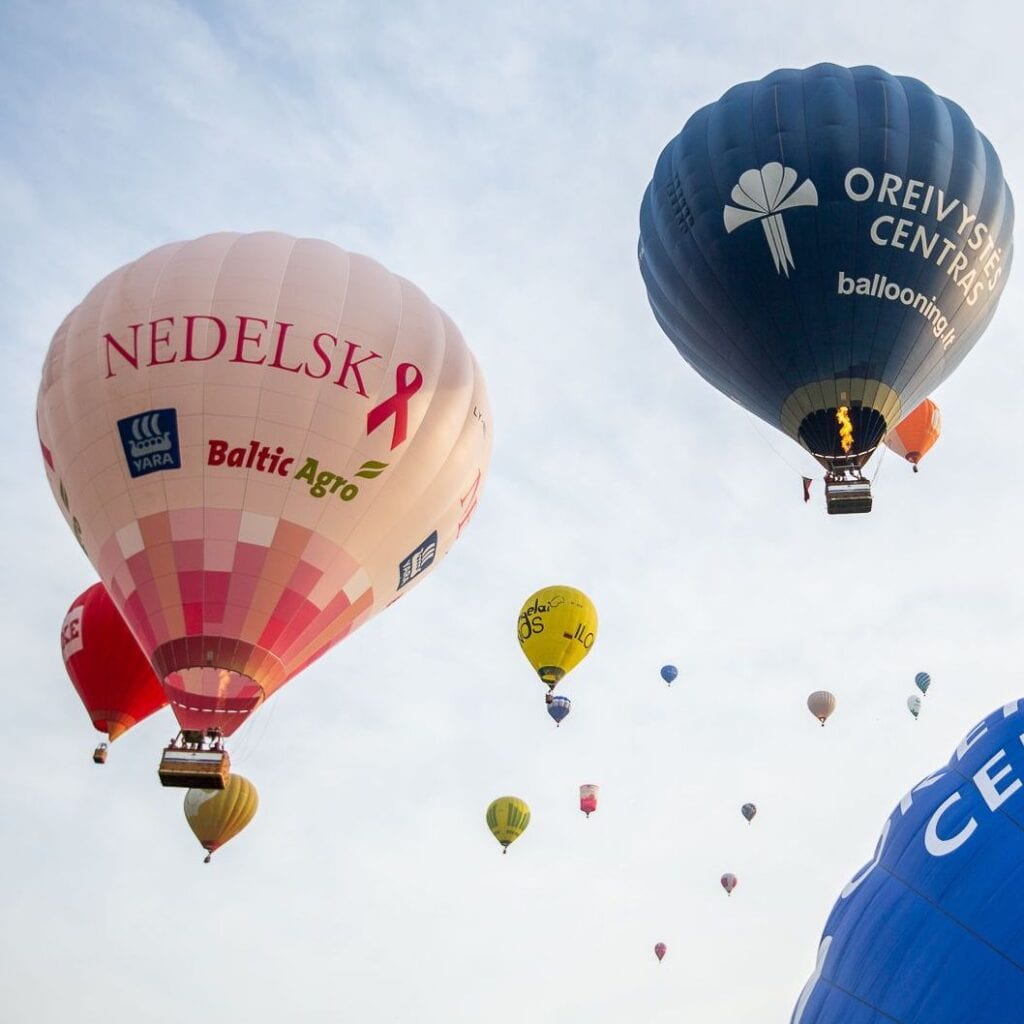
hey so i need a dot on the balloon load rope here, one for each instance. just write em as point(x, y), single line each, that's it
point(764, 437)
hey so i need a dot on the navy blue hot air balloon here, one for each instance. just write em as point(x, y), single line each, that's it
point(669, 673)
point(824, 247)
point(559, 707)
point(931, 931)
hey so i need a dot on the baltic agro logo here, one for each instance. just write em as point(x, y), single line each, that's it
point(150, 441)
point(763, 195)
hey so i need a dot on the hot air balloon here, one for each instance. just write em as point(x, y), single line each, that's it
point(216, 816)
point(922, 680)
point(660, 949)
point(588, 799)
point(824, 247)
point(930, 929)
point(507, 818)
point(915, 434)
point(821, 704)
point(748, 811)
point(669, 673)
point(914, 705)
point(557, 627)
point(729, 882)
point(260, 442)
point(558, 708)
point(107, 668)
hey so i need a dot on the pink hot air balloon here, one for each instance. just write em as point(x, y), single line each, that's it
point(729, 882)
point(660, 950)
point(588, 799)
point(260, 442)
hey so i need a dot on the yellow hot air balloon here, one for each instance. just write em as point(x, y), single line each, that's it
point(507, 818)
point(557, 627)
point(217, 815)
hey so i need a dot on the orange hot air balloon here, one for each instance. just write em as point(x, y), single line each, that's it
point(112, 676)
point(915, 434)
point(260, 442)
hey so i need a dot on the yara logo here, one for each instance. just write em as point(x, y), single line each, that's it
point(150, 441)
point(763, 195)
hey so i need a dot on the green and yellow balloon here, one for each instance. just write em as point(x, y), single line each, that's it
point(507, 818)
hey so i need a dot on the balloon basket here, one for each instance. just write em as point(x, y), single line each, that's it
point(190, 762)
point(99, 755)
point(844, 496)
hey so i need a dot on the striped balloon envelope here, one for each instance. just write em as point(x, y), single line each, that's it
point(507, 818)
point(106, 666)
point(216, 816)
point(913, 437)
point(260, 442)
point(825, 246)
point(929, 931)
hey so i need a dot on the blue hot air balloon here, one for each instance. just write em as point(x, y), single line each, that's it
point(824, 247)
point(930, 932)
point(923, 681)
point(559, 707)
point(668, 673)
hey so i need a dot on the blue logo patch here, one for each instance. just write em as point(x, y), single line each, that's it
point(150, 441)
point(418, 561)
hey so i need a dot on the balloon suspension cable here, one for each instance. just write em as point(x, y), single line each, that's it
point(782, 458)
point(881, 462)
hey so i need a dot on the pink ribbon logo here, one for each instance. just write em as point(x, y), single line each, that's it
point(408, 380)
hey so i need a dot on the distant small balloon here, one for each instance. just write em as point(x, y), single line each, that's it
point(668, 673)
point(660, 949)
point(559, 707)
point(507, 818)
point(729, 882)
point(588, 799)
point(748, 811)
point(923, 681)
point(914, 705)
point(218, 815)
point(821, 704)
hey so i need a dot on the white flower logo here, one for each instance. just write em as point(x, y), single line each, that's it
point(763, 195)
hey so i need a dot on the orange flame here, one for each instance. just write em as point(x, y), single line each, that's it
point(845, 428)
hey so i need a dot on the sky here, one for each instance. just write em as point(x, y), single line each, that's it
point(495, 155)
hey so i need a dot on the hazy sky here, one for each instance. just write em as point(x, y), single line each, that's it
point(496, 155)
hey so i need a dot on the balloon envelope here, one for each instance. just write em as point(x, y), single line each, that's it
point(559, 707)
point(507, 818)
point(217, 815)
point(107, 667)
point(922, 680)
point(914, 705)
point(260, 442)
point(748, 811)
point(669, 673)
point(914, 435)
point(821, 704)
point(588, 799)
point(930, 929)
point(826, 242)
point(557, 627)
point(660, 949)
point(729, 882)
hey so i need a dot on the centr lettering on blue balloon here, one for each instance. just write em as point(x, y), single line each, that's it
point(972, 239)
point(950, 826)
